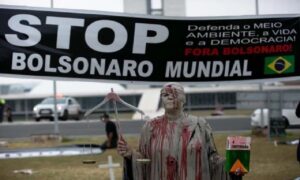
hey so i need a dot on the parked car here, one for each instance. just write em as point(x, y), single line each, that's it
point(67, 107)
point(288, 115)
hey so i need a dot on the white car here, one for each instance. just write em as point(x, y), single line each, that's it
point(288, 115)
point(67, 107)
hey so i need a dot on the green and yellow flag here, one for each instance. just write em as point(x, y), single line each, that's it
point(279, 64)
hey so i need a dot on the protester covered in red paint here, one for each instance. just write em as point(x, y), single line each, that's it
point(174, 146)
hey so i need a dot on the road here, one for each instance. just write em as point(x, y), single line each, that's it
point(96, 127)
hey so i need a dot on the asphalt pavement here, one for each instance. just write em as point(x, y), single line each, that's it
point(96, 127)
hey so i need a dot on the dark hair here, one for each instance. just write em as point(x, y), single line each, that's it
point(105, 115)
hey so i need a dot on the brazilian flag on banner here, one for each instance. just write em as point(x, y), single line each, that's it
point(279, 64)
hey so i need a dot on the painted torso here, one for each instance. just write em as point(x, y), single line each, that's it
point(174, 148)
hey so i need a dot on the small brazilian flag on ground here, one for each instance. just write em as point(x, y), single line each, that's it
point(279, 64)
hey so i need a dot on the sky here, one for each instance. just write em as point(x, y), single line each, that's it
point(102, 5)
point(241, 7)
point(193, 7)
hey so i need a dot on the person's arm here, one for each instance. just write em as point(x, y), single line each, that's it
point(109, 139)
point(216, 162)
point(132, 169)
point(126, 151)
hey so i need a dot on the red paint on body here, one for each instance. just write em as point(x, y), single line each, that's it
point(171, 90)
point(198, 149)
point(185, 136)
point(163, 131)
point(171, 167)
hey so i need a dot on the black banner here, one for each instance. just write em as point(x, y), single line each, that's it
point(116, 47)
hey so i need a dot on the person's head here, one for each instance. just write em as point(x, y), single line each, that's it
point(104, 117)
point(173, 97)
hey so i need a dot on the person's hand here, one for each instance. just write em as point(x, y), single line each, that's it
point(123, 148)
point(239, 172)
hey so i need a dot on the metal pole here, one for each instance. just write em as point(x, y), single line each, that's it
point(256, 8)
point(51, 3)
point(26, 110)
point(149, 7)
point(162, 7)
point(117, 117)
point(260, 84)
point(56, 128)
